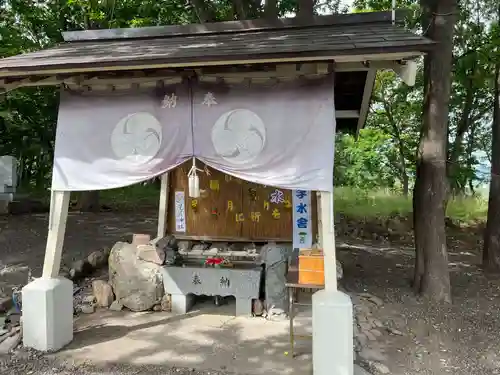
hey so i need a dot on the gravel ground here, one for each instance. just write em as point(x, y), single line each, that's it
point(460, 339)
point(27, 364)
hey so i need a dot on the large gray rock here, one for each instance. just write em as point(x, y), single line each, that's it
point(275, 256)
point(138, 285)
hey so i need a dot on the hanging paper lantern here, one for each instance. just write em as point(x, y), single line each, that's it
point(194, 181)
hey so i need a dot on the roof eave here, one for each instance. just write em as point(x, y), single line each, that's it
point(314, 56)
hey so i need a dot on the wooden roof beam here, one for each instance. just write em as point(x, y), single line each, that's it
point(367, 95)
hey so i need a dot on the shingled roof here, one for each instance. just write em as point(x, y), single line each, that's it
point(323, 38)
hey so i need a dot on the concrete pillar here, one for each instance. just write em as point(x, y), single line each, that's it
point(48, 301)
point(332, 310)
point(59, 205)
point(48, 313)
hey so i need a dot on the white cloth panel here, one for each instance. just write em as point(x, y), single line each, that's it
point(279, 134)
point(108, 141)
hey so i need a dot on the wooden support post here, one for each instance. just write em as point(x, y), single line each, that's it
point(319, 237)
point(59, 204)
point(327, 238)
point(163, 206)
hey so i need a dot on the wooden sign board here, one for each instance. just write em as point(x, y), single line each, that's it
point(230, 209)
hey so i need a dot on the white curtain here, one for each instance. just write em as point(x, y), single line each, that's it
point(110, 141)
point(279, 134)
point(275, 134)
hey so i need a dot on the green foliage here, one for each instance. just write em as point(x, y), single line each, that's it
point(396, 109)
point(363, 163)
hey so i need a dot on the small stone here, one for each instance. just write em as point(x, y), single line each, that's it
point(370, 335)
point(365, 326)
point(380, 368)
point(157, 308)
point(377, 301)
point(88, 300)
point(166, 303)
point(358, 370)
point(116, 306)
point(362, 339)
point(376, 332)
point(184, 245)
point(369, 354)
point(150, 253)
point(10, 342)
point(378, 323)
point(87, 309)
point(140, 239)
point(103, 293)
point(201, 246)
point(80, 269)
point(97, 259)
point(395, 332)
point(257, 307)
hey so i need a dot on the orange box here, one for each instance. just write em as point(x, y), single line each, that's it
point(311, 267)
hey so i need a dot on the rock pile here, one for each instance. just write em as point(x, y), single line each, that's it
point(134, 283)
point(85, 267)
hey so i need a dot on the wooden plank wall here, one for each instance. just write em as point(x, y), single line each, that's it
point(230, 209)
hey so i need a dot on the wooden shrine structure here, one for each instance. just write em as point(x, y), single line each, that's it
point(352, 47)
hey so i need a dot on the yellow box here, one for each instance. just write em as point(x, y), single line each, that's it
point(311, 267)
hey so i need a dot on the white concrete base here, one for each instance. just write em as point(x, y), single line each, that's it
point(332, 333)
point(48, 313)
point(181, 304)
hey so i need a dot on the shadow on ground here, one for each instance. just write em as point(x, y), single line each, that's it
point(209, 338)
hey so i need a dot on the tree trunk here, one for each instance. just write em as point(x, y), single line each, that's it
point(88, 201)
point(433, 281)
point(419, 256)
point(491, 250)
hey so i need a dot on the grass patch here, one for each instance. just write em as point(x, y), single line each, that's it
point(359, 203)
point(351, 202)
point(468, 209)
point(384, 204)
point(138, 195)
